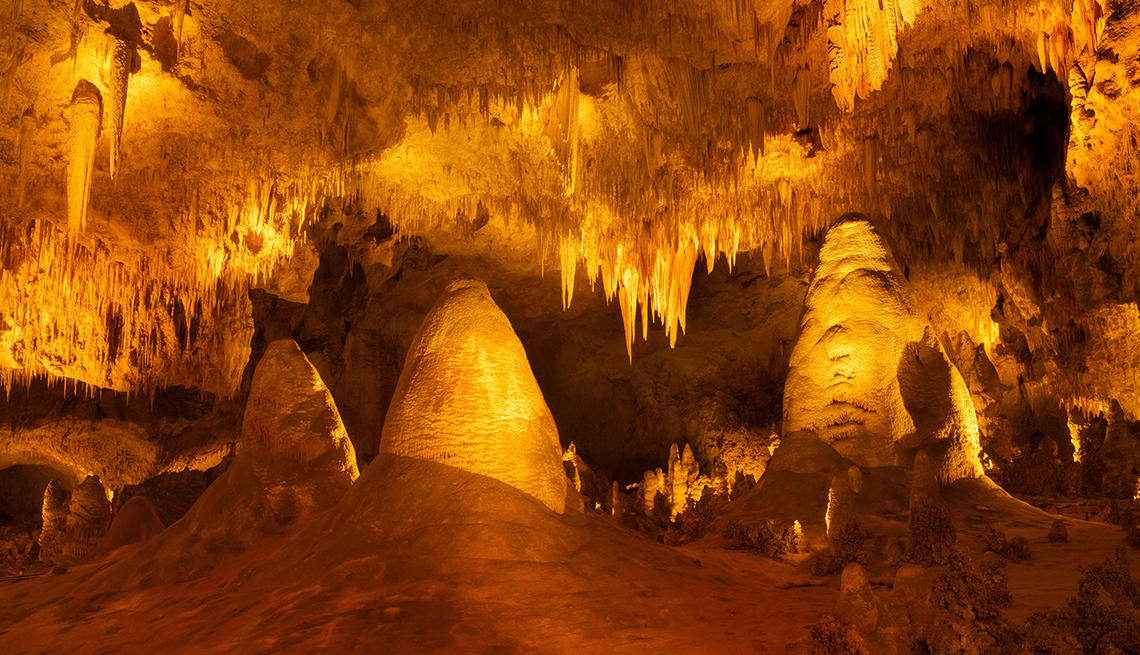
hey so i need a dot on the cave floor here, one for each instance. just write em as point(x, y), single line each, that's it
point(417, 558)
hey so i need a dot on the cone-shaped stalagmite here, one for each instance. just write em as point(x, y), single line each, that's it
point(867, 375)
point(467, 398)
point(86, 120)
point(295, 458)
point(136, 521)
point(290, 411)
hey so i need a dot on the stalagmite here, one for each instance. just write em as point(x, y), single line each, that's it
point(86, 120)
point(290, 411)
point(73, 522)
point(647, 492)
point(867, 375)
point(136, 521)
point(1121, 455)
point(924, 487)
point(467, 398)
point(676, 482)
point(840, 505)
point(857, 605)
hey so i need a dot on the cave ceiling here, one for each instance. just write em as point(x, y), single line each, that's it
point(161, 158)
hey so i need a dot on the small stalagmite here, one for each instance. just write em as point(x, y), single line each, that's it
point(857, 605)
point(467, 398)
point(678, 478)
point(840, 504)
point(86, 121)
point(924, 487)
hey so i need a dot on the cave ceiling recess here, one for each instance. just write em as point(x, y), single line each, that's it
point(159, 158)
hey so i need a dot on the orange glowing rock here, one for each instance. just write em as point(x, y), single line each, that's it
point(124, 61)
point(866, 374)
point(290, 411)
point(86, 121)
point(467, 398)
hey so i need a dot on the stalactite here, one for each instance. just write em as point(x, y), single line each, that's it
point(180, 7)
point(27, 142)
point(568, 259)
point(801, 88)
point(124, 61)
point(757, 126)
point(86, 120)
point(9, 73)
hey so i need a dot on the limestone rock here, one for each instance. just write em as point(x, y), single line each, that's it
point(592, 485)
point(803, 453)
point(290, 411)
point(857, 605)
point(74, 522)
point(840, 505)
point(467, 398)
point(1121, 455)
point(135, 522)
point(867, 374)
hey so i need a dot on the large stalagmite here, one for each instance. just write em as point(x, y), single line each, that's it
point(467, 398)
point(866, 374)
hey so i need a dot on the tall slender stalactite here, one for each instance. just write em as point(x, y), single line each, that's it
point(86, 120)
point(27, 139)
point(123, 58)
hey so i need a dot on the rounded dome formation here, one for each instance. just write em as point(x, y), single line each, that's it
point(467, 398)
point(867, 375)
point(290, 411)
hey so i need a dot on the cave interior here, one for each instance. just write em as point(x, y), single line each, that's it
point(700, 326)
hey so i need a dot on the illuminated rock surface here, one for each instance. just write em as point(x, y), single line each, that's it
point(866, 375)
point(467, 398)
point(291, 412)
